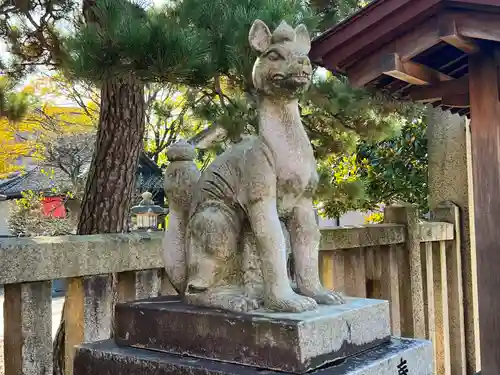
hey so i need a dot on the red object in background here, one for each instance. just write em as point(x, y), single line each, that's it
point(54, 206)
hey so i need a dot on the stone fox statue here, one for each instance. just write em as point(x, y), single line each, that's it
point(225, 246)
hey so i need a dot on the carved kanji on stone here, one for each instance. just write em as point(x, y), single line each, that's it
point(403, 367)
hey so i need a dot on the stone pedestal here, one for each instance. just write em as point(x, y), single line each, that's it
point(165, 336)
point(398, 356)
point(283, 342)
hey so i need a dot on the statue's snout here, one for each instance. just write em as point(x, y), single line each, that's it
point(301, 68)
point(303, 60)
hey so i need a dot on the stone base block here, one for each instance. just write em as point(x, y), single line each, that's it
point(398, 356)
point(294, 343)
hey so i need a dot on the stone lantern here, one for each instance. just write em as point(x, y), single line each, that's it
point(147, 213)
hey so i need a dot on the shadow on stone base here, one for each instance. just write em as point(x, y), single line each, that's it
point(288, 342)
point(398, 356)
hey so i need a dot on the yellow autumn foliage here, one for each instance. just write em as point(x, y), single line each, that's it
point(11, 148)
point(56, 88)
point(57, 119)
point(22, 139)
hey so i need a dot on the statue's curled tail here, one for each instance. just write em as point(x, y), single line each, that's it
point(180, 178)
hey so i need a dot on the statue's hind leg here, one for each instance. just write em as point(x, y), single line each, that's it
point(252, 264)
point(214, 263)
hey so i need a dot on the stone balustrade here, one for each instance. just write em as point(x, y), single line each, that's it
point(415, 265)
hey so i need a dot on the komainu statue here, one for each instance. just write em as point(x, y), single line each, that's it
point(225, 246)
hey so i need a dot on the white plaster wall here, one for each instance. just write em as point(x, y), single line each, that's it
point(353, 218)
point(349, 218)
point(327, 223)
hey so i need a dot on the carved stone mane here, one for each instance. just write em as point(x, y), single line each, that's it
point(225, 246)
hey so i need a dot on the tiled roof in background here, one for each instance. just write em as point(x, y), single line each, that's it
point(150, 177)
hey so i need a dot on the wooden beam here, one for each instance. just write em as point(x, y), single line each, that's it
point(477, 25)
point(496, 56)
point(448, 32)
point(439, 90)
point(458, 100)
point(369, 26)
point(351, 28)
point(406, 47)
point(411, 72)
point(456, 28)
point(464, 44)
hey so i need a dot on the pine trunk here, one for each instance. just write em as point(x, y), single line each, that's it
point(111, 180)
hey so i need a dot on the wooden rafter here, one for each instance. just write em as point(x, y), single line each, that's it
point(411, 72)
point(419, 56)
point(393, 12)
point(454, 28)
point(407, 46)
point(448, 32)
point(439, 90)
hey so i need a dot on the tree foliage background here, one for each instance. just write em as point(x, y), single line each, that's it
point(200, 73)
point(383, 172)
point(335, 115)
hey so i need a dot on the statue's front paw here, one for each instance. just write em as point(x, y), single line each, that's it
point(324, 296)
point(243, 304)
point(291, 302)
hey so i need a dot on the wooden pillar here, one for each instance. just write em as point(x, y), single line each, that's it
point(485, 142)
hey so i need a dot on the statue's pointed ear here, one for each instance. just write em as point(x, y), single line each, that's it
point(302, 37)
point(259, 36)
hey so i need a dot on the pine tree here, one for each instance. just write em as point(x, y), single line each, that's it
point(332, 12)
point(32, 31)
point(107, 48)
point(334, 114)
point(121, 47)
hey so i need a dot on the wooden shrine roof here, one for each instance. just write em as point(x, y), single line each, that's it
point(412, 49)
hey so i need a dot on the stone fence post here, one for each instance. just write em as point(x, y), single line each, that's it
point(410, 264)
point(450, 180)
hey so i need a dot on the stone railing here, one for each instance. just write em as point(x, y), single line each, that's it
point(415, 265)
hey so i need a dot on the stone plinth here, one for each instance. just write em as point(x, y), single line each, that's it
point(295, 343)
point(409, 357)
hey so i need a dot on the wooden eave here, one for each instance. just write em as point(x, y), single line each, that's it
point(412, 49)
